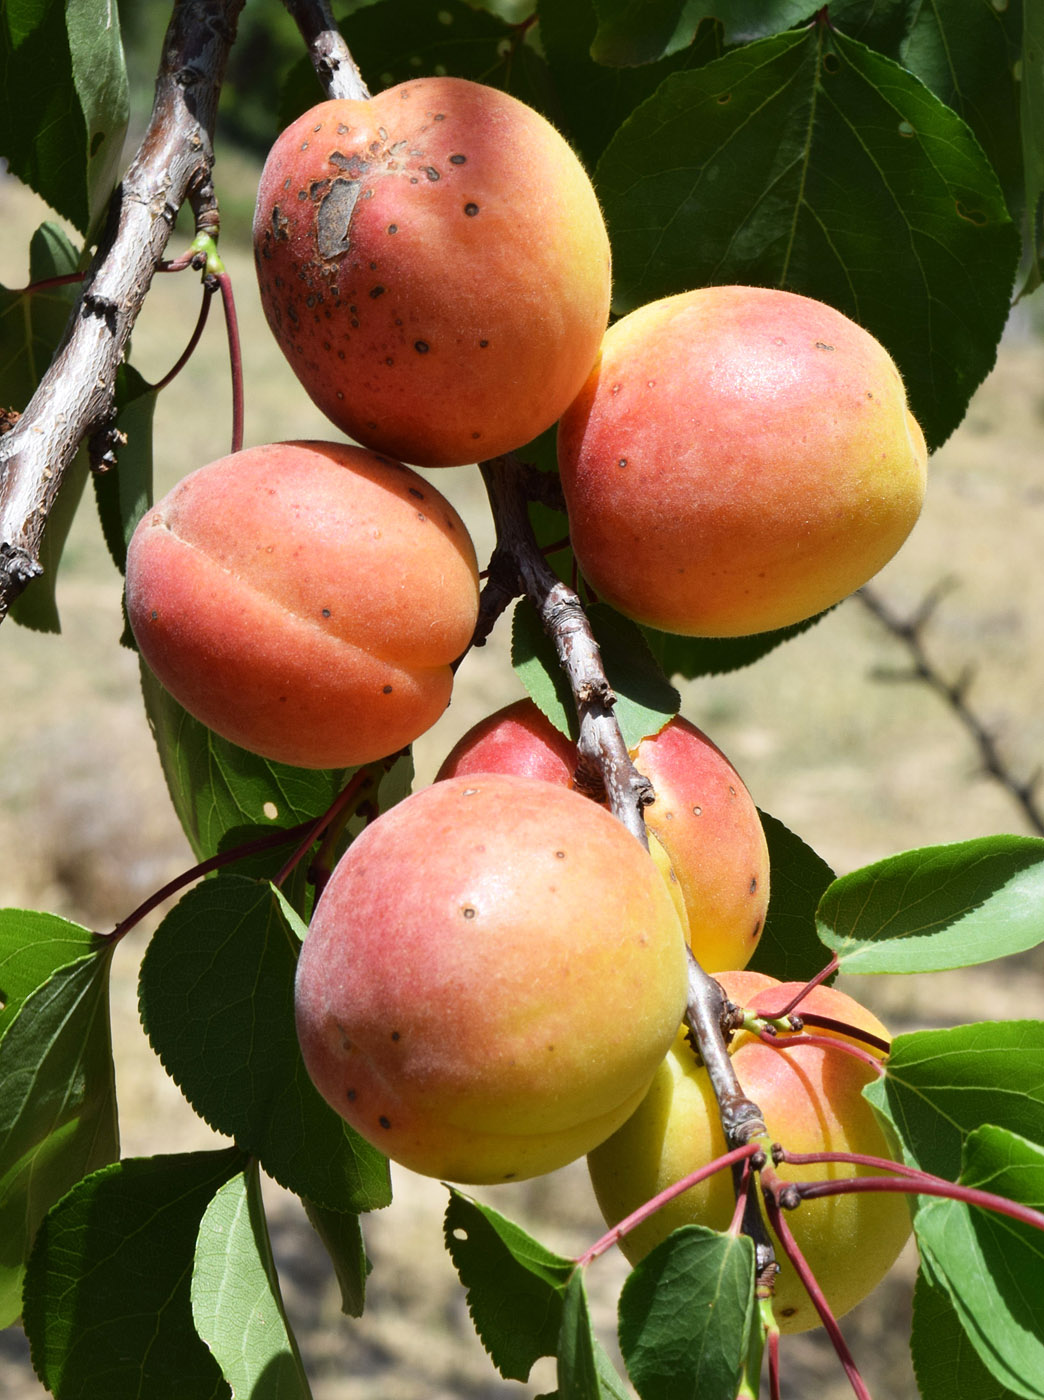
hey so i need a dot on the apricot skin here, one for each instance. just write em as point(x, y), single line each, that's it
point(739, 460)
point(490, 979)
point(305, 600)
point(703, 817)
point(435, 267)
point(812, 1101)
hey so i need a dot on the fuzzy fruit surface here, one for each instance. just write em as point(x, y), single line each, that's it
point(491, 977)
point(305, 600)
point(434, 264)
point(811, 1099)
point(739, 459)
point(703, 817)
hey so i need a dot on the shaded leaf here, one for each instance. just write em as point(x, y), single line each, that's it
point(124, 493)
point(341, 1234)
point(941, 1085)
point(100, 80)
point(641, 31)
point(790, 947)
point(809, 162)
point(217, 1001)
point(107, 1305)
point(584, 1370)
point(708, 1279)
point(712, 656)
point(33, 945)
point(940, 907)
point(236, 1304)
point(946, 1364)
point(991, 1265)
point(516, 1287)
point(1031, 116)
point(58, 1116)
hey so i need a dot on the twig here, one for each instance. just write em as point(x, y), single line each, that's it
point(75, 399)
point(910, 631)
point(334, 66)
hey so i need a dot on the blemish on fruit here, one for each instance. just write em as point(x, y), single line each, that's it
point(560, 855)
point(753, 883)
point(414, 491)
point(386, 690)
point(421, 346)
point(393, 228)
point(697, 811)
point(351, 1095)
point(483, 344)
point(154, 614)
point(431, 172)
point(732, 790)
point(468, 911)
point(471, 210)
point(755, 931)
point(822, 345)
point(395, 1035)
point(458, 160)
point(326, 612)
point(376, 292)
point(384, 1122)
point(334, 217)
point(622, 462)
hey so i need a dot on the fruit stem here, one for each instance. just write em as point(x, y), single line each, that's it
point(235, 354)
point(333, 63)
point(650, 1207)
point(772, 1341)
point(924, 1186)
point(799, 996)
point(313, 829)
point(186, 354)
point(825, 1042)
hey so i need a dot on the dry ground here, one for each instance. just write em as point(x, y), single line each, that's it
point(859, 766)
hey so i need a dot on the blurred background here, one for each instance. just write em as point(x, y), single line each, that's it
point(830, 732)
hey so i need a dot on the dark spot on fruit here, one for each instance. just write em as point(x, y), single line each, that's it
point(439, 117)
point(483, 344)
point(396, 1036)
point(304, 145)
point(154, 614)
point(376, 292)
point(431, 172)
point(393, 228)
point(414, 492)
point(822, 345)
point(386, 690)
point(421, 346)
point(755, 930)
point(468, 911)
point(475, 436)
point(753, 884)
point(560, 855)
point(351, 1096)
point(286, 183)
point(342, 130)
point(622, 462)
point(458, 160)
point(373, 267)
point(282, 699)
point(732, 790)
point(389, 360)
point(471, 210)
point(421, 515)
point(787, 1312)
point(509, 1176)
point(326, 612)
point(333, 218)
point(354, 323)
point(697, 811)
point(384, 1122)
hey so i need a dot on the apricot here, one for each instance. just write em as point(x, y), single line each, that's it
point(812, 1101)
point(490, 979)
point(703, 817)
point(434, 264)
point(305, 600)
point(739, 459)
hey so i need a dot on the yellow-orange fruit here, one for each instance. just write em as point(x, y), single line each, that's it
point(811, 1099)
point(490, 979)
point(703, 817)
point(435, 267)
point(305, 600)
point(739, 459)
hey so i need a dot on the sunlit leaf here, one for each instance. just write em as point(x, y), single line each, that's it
point(946, 1364)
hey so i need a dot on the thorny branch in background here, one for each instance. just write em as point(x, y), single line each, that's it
point(911, 631)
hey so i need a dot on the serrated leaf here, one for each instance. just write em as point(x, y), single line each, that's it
point(940, 907)
point(63, 135)
point(124, 493)
point(1031, 120)
point(991, 1265)
point(945, 1363)
point(221, 793)
point(584, 1370)
point(237, 1307)
point(789, 947)
point(107, 1306)
point(515, 1286)
point(217, 1002)
point(708, 1279)
point(58, 1116)
point(809, 162)
point(33, 945)
point(939, 1086)
point(637, 31)
point(714, 656)
point(341, 1234)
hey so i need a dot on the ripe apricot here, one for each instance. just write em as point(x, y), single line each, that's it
point(490, 979)
point(435, 267)
point(739, 459)
point(703, 817)
point(812, 1101)
point(305, 600)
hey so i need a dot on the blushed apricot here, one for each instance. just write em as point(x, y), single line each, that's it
point(435, 267)
point(305, 600)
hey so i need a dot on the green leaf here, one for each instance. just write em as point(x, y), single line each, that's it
point(341, 1233)
point(940, 1086)
point(641, 31)
point(645, 699)
point(991, 1265)
point(940, 907)
point(584, 1370)
point(221, 793)
point(236, 1304)
point(790, 947)
point(946, 1364)
point(713, 656)
point(708, 1279)
point(58, 1110)
point(591, 100)
point(63, 136)
point(217, 1001)
point(32, 946)
point(124, 493)
point(107, 1303)
point(792, 162)
point(516, 1287)
point(1031, 116)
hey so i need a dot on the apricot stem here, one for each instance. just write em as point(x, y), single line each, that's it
point(186, 354)
point(235, 355)
point(313, 829)
point(924, 1186)
point(799, 996)
point(825, 1042)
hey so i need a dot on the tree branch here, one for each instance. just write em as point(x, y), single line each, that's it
point(334, 66)
point(76, 397)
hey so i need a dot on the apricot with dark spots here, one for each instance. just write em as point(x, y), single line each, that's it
point(320, 636)
point(591, 962)
point(504, 244)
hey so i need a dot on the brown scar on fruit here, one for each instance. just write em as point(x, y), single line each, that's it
point(333, 220)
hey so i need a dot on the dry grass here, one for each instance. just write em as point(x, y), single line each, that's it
point(860, 767)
